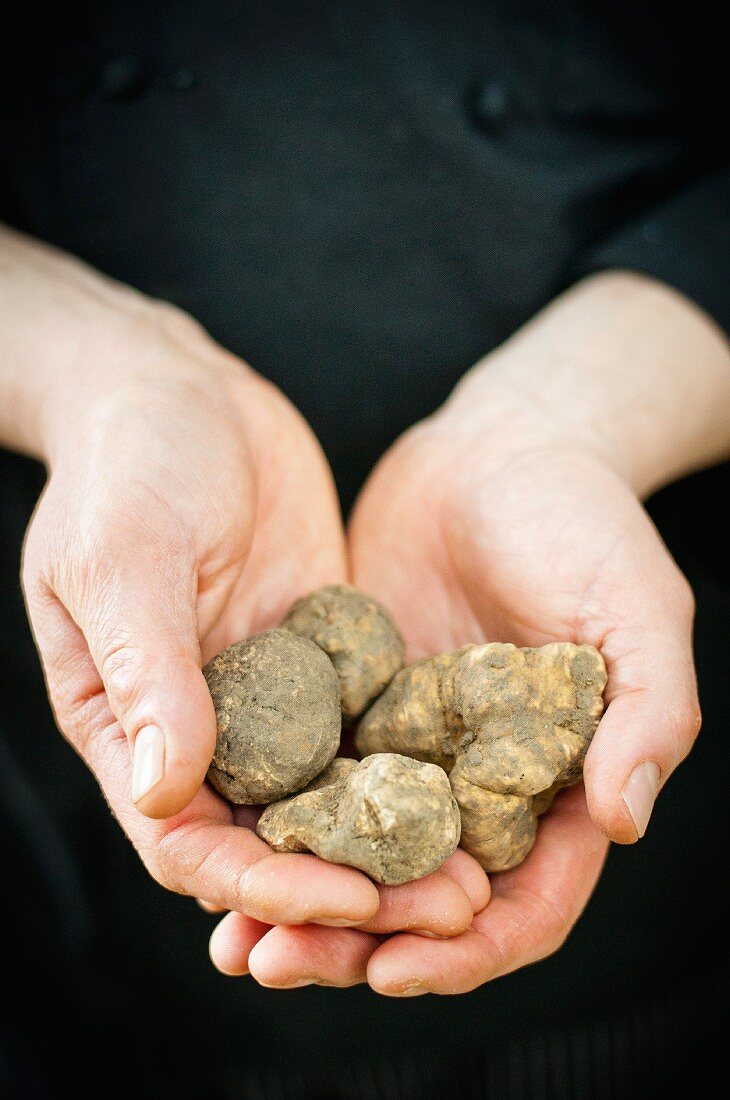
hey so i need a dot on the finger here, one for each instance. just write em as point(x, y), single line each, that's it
point(465, 870)
point(232, 941)
point(429, 905)
point(440, 905)
point(286, 958)
point(531, 912)
point(653, 714)
point(199, 852)
point(232, 868)
point(144, 642)
point(433, 906)
point(209, 906)
point(137, 613)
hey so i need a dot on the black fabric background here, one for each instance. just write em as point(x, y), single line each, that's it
point(361, 200)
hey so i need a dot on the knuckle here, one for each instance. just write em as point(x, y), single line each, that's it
point(157, 870)
point(176, 321)
point(163, 868)
point(82, 720)
point(554, 924)
point(555, 937)
point(184, 862)
point(552, 943)
point(121, 669)
point(556, 941)
point(29, 572)
point(680, 721)
point(688, 721)
point(33, 558)
point(103, 744)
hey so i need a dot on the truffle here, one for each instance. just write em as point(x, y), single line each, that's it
point(357, 634)
point(391, 817)
point(511, 726)
point(277, 704)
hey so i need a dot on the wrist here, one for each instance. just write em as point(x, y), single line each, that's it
point(77, 346)
point(54, 312)
point(140, 376)
point(621, 366)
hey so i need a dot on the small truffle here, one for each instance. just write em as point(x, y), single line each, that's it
point(357, 634)
point(512, 726)
point(389, 816)
point(277, 704)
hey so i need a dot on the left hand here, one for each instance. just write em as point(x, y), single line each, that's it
point(500, 518)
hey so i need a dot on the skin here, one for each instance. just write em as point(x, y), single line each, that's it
point(517, 508)
point(187, 509)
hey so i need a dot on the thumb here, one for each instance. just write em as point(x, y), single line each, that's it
point(653, 715)
point(138, 614)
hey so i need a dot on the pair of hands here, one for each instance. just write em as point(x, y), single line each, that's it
point(189, 504)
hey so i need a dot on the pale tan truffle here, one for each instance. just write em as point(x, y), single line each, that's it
point(357, 634)
point(277, 703)
point(392, 817)
point(507, 723)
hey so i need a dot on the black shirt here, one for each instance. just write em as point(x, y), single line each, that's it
point(361, 200)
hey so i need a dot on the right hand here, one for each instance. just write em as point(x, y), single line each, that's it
point(188, 505)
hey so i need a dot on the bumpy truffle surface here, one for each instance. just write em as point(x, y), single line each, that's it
point(277, 703)
point(392, 817)
point(357, 634)
point(512, 726)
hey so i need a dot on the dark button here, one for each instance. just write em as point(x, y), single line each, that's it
point(491, 106)
point(124, 77)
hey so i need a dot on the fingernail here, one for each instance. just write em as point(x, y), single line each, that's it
point(336, 922)
point(148, 765)
point(640, 793)
point(292, 985)
point(414, 988)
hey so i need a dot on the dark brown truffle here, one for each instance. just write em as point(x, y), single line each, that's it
point(277, 703)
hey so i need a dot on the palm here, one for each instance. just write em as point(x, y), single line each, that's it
point(542, 546)
point(465, 553)
point(291, 542)
point(202, 525)
point(251, 572)
point(294, 540)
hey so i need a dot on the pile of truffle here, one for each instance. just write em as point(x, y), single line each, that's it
point(471, 745)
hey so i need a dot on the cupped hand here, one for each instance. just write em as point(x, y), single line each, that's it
point(483, 524)
point(503, 518)
point(188, 504)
